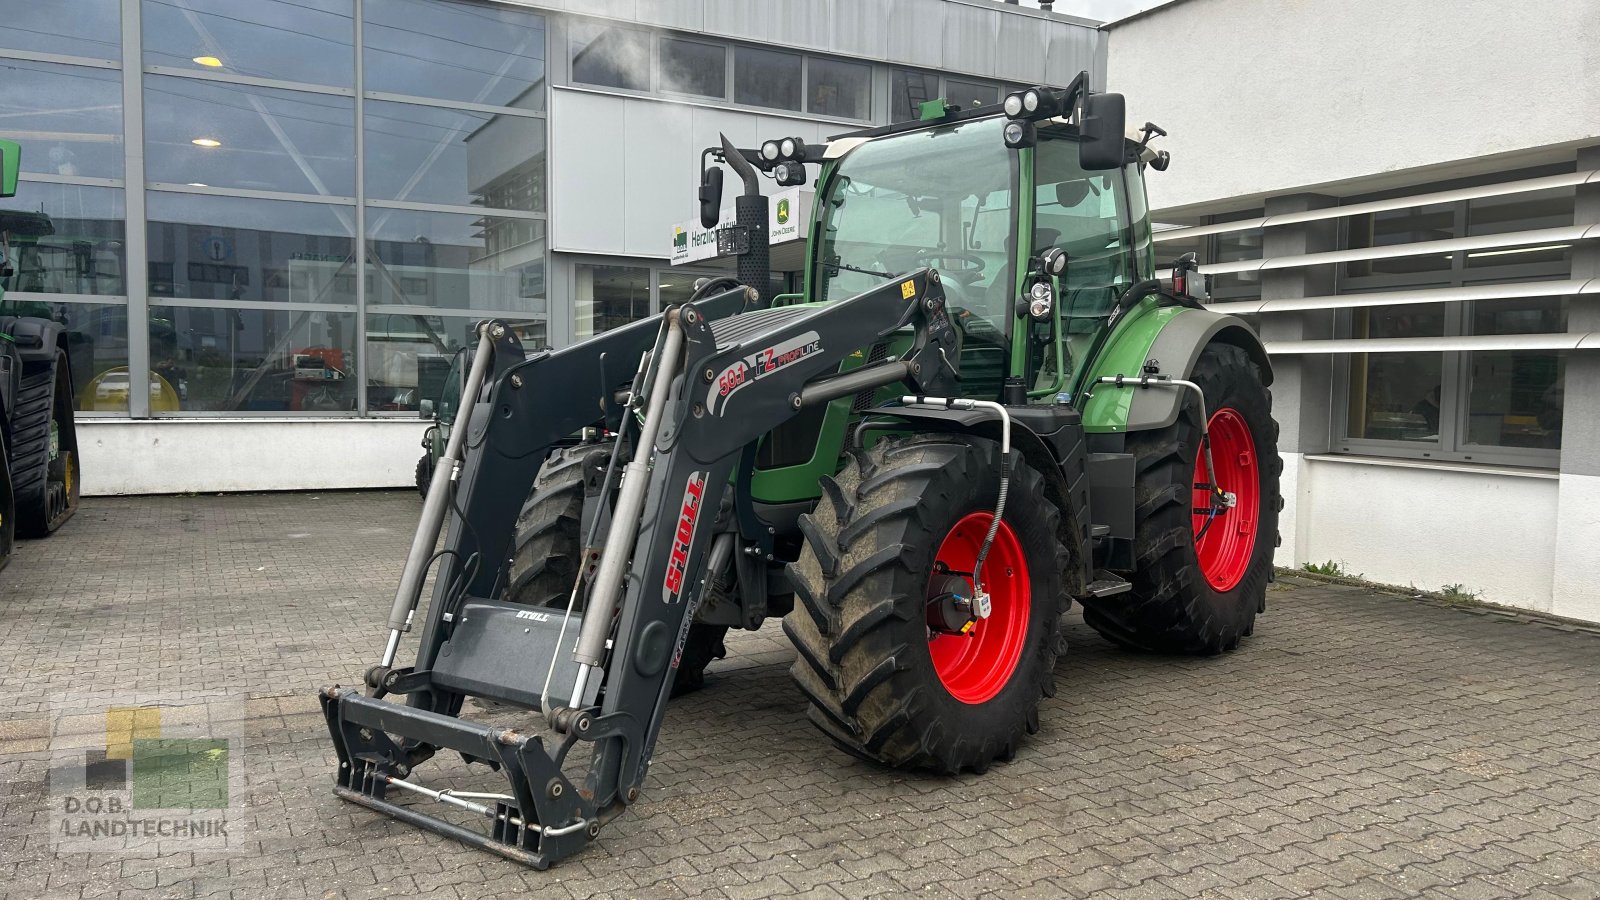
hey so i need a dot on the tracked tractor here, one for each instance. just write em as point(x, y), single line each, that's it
point(38, 440)
point(984, 405)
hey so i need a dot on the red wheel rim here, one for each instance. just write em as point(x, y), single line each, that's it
point(976, 666)
point(1226, 546)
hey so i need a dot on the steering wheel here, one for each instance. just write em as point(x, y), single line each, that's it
point(967, 273)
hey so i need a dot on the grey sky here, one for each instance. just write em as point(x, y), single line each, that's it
point(1103, 10)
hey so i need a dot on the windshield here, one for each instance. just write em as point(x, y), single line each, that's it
point(940, 198)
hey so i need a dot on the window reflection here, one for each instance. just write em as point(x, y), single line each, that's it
point(1516, 397)
point(455, 51)
point(251, 360)
point(97, 346)
point(68, 119)
point(227, 135)
point(1435, 222)
point(969, 94)
point(291, 40)
point(691, 67)
point(766, 78)
point(908, 90)
point(838, 88)
point(94, 29)
point(609, 296)
point(63, 239)
point(610, 56)
point(455, 261)
point(410, 357)
point(431, 155)
point(229, 248)
point(1397, 396)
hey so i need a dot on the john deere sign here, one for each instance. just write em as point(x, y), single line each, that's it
point(785, 213)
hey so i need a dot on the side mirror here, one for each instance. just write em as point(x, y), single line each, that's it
point(1105, 122)
point(710, 197)
point(10, 163)
point(425, 409)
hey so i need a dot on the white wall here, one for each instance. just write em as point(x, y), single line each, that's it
point(1427, 525)
point(1263, 96)
point(168, 456)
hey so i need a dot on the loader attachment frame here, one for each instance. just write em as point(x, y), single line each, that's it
point(721, 380)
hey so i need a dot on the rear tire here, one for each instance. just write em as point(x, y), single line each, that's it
point(548, 551)
point(44, 460)
point(1189, 597)
point(881, 684)
point(424, 473)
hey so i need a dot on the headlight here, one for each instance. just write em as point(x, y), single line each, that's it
point(1030, 101)
point(769, 151)
point(1040, 300)
point(789, 146)
point(1012, 105)
point(1019, 133)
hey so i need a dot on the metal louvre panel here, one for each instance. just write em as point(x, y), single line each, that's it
point(1391, 251)
point(1424, 295)
point(1568, 341)
point(1357, 209)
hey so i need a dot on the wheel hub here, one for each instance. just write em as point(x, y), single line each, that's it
point(976, 641)
point(1226, 514)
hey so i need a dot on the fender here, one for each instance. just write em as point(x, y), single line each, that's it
point(1173, 338)
point(1050, 438)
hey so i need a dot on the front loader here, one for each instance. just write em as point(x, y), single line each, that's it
point(983, 406)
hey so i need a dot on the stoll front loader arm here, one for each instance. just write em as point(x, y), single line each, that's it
point(714, 380)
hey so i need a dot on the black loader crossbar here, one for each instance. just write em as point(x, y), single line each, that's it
point(688, 390)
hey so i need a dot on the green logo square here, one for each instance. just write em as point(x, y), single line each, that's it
point(187, 773)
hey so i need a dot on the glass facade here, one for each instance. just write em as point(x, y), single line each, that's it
point(300, 207)
point(278, 137)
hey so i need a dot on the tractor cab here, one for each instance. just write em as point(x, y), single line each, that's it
point(955, 197)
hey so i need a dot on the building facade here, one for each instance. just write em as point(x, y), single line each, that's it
point(269, 225)
point(1408, 206)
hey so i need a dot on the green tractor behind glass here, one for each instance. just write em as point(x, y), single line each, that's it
point(984, 405)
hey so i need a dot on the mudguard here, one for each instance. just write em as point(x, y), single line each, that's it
point(1171, 339)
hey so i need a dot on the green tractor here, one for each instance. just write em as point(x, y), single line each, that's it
point(38, 441)
point(984, 405)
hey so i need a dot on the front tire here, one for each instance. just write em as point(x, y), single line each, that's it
point(883, 683)
point(548, 551)
point(44, 461)
point(1201, 577)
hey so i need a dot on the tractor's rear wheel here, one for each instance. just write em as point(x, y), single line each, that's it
point(8, 518)
point(1201, 571)
point(895, 534)
point(548, 552)
point(44, 460)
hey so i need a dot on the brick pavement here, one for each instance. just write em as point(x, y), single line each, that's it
point(1358, 746)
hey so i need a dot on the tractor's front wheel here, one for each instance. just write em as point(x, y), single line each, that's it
point(1201, 566)
point(894, 669)
point(548, 551)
